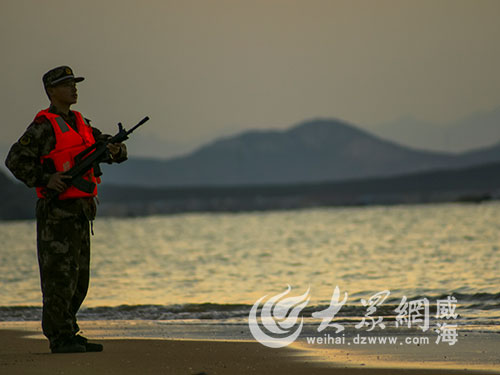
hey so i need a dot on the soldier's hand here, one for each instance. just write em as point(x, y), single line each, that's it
point(56, 182)
point(114, 149)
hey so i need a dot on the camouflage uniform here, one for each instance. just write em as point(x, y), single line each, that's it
point(63, 238)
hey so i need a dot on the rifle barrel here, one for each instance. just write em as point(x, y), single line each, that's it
point(139, 124)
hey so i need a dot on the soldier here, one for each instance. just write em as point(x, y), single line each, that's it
point(39, 159)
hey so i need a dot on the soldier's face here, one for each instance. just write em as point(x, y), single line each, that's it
point(65, 93)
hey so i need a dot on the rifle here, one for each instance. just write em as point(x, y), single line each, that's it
point(90, 158)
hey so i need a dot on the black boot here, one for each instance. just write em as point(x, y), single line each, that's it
point(89, 346)
point(67, 346)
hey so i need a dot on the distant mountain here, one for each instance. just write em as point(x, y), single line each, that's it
point(314, 151)
point(480, 129)
point(4, 150)
point(18, 202)
point(480, 156)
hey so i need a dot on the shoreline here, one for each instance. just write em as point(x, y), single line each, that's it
point(435, 186)
point(25, 351)
point(141, 210)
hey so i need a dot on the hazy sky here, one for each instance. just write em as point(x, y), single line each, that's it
point(210, 67)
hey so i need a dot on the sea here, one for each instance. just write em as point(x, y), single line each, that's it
point(214, 267)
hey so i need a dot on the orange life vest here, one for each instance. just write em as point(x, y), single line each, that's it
point(69, 143)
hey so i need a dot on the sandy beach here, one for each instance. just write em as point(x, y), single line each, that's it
point(24, 352)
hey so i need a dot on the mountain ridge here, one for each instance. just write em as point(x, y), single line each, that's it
point(479, 129)
point(314, 150)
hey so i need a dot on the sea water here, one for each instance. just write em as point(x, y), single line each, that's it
point(215, 266)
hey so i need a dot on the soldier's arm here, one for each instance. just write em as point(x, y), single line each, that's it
point(120, 156)
point(23, 159)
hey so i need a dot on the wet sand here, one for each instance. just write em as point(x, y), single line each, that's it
point(20, 354)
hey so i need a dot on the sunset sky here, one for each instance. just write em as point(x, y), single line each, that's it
point(201, 69)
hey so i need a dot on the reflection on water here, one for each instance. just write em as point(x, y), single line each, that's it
point(237, 258)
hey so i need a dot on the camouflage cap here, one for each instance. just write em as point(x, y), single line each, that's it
point(60, 74)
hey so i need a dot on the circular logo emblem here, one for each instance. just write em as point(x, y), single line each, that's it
point(279, 324)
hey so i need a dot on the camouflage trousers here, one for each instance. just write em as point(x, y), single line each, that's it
point(63, 242)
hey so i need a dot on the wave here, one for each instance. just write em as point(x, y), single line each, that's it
point(468, 304)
